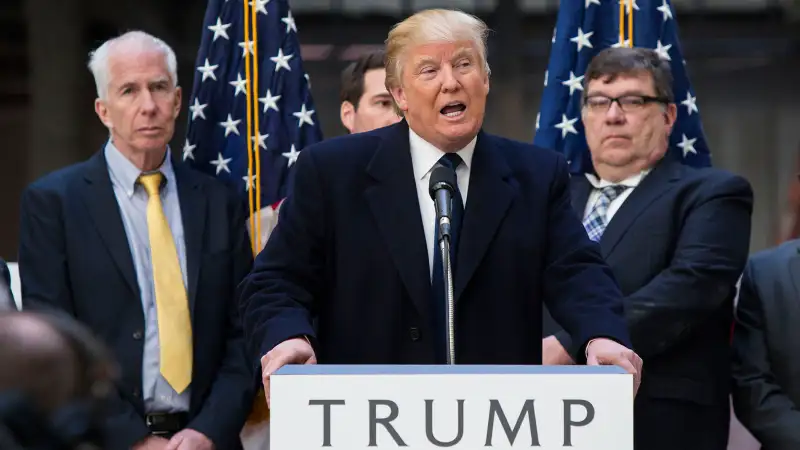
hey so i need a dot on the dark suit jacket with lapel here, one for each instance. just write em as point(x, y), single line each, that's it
point(766, 346)
point(349, 249)
point(677, 247)
point(74, 256)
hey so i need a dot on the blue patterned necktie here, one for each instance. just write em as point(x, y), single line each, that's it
point(595, 222)
point(452, 161)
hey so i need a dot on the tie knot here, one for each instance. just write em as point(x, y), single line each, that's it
point(612, 192)
point(451, 160)
point(151, 182)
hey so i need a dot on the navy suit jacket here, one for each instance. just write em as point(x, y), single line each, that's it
point(677, 247)
point(349, 251)
point(74, 256)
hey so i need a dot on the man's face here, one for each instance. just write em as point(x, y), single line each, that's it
point(634, 134)
point(374, 109)
point(141, 105)
point(443, 92)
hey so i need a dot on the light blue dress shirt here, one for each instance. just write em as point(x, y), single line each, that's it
point(158, 395)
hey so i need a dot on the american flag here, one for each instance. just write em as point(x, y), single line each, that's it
point(216, 141)
point(583, 29)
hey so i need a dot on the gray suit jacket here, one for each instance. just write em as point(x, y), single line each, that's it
point(766, 347)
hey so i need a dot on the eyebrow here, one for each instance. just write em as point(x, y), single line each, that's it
point(458, 54)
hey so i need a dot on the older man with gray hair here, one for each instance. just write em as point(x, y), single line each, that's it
point(147, 253)
point(357, 248)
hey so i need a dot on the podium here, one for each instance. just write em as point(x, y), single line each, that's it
point(362, 407)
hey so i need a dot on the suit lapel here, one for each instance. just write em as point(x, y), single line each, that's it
point(580, 188)
point(99, 198)
point(653, 186)
point(193, 216)
point(395, 207)
point(488, 198)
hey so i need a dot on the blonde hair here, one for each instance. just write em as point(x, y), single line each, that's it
point(432, 25)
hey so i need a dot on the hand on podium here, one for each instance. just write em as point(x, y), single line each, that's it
point(602, 352)
point(292, 351)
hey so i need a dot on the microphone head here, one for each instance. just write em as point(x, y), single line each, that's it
point(441, 178)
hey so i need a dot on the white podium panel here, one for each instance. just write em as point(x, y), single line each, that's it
point(453, 407)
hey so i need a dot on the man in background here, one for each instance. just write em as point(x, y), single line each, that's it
point(147, 252)
point(55, 379)
point(366, 104)
point(766, 345)
point(676, 238)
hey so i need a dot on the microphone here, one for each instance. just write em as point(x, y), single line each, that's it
point(442, 185)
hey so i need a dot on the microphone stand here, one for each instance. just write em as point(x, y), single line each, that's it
point(447, 270)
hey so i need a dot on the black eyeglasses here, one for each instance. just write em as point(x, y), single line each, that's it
point(628, 103)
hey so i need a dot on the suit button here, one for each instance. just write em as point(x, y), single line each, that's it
point(136, 393)
point(137, 335)
point(414, 331)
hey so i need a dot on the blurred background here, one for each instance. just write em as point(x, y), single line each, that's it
point(743, 57)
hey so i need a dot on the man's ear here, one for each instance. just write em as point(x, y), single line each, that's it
point(102, 112)
point(670, 116)
point(399, 96)
point(178, 97)
point(347, 113)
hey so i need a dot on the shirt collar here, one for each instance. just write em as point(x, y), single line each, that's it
point(425, 155)
point(632, 181)
point(124, 173)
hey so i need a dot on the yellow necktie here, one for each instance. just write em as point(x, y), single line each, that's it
point(172, 305)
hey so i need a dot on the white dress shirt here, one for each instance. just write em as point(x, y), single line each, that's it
point(614, 206)
point(424, 157)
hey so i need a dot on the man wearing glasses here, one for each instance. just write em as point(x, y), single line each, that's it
point(676, 238)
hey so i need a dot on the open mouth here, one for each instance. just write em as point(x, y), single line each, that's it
point(453, 109)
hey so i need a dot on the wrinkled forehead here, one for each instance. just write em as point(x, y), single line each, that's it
point(640, 82)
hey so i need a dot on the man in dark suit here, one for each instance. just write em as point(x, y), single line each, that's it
point(676, 238)
point(766, 342)
point(354, 246)
point(147, 253)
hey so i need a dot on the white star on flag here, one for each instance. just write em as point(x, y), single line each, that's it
point(197, 109)
point(221, 163)
point(230, 125)
point(289, 21)
point(291, 155)
point(304, 116)
point(665, 10)
point(270, 101)
point(663, 50)
point(247, 46)
point(219, 30)
point(628, 7)
point(582, 39)
point(188, 150)
point(249, 181)
point(281, 60)
point(261, 7)
point(574, 83)
point(690, 103)
point(687, 145)
point(208, 70)
point(240, 85)
point(567, 126)
point(260, 140)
